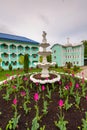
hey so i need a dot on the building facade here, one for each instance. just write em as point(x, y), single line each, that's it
point(74, 53)
point(12, 47)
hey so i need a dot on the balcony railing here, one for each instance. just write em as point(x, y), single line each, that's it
point(13, 59)
point(5, 58)
point(4, 50)
point(13, 50)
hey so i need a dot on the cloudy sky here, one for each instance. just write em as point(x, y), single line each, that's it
point(59, 18)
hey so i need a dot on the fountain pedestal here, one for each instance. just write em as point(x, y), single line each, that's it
point(44, 65)
point(45, 76)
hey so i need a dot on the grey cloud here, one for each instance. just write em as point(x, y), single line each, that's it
point(58, 17)
point(44, 19)
point(5, 29)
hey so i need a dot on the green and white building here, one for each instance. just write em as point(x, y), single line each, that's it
point(74, 53)
point(12, 47)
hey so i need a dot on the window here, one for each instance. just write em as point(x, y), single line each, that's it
point(27, 48)
point(77, 62)
point(34, 55)
point(54, 57)
point(13, 47)
point(5, 55)
point(5, 46)
point(54, 51)
point(6, 63)
point(13, 55)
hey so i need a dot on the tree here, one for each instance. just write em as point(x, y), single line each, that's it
point(26, 63)
point(85, 47)
point(69, 65)
point(40, 59)
point(21, 59)
point(0, 61)
point(49, 58)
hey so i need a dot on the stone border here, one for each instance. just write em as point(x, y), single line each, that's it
point(46, 80)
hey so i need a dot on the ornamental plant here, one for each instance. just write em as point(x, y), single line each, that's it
point(61, 123)
point(35, 121)
point(26, 63)
point(84, 122)
point(26, 98)
point(13, 122)
point(48, 93)
point(67, 105)
point(77, 99)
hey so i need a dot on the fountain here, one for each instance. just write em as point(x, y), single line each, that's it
point(45, 76)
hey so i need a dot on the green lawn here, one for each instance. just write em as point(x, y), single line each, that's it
point(3, 74)
point(15, 72)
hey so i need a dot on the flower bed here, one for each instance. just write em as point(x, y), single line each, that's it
point(25, 105)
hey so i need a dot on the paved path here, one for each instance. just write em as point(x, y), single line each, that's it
point(83, 72)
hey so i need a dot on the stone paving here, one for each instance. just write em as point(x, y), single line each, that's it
point(83, 72)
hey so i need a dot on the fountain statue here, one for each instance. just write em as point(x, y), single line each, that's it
point(44, 65)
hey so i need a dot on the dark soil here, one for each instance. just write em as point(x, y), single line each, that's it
point(74, 115)
point(38, 76)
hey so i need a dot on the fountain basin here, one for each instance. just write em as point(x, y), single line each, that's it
point(36, 78)
point(45, 45)
point(44, 53)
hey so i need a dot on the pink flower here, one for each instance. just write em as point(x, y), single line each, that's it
point(13, 78)
point(36, 83)
point(23, 93)
point(83, 73)
point(86, 97)
point(7, 75)
point(77, 85)
point(15, 101)
point(5, 82)
point(60, 82)
point(36, 97)
point(14, 87)
point(47, 78)
point(25, 78)
point(66, 87)
point(73, 75)
point(43, 87)
point(60, 103)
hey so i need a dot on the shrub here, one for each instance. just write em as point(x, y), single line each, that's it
point(56, 66)
point(0, 68)
point(10, 67)
point(75, 68)
point(69, 65)
point(26, 63)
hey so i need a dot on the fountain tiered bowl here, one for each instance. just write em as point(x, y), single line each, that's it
point(45, 76)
